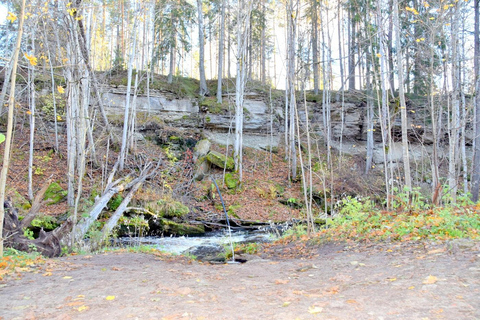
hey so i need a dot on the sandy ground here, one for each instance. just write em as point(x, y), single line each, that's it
point(400, 281)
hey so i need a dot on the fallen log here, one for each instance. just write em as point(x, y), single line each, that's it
point(47, 243)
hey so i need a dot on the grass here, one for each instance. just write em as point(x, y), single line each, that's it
point(15, 262)
point(431, 224)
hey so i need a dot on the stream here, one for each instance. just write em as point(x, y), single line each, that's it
point(178, 245)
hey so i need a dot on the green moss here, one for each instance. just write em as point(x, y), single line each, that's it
point(45, 222)
point(169, 208)
point(19, 201)
point(210, 103)
point(220, 160)
point(114, 202)
point(54, 193)
point(231, 181)
point(181, 229)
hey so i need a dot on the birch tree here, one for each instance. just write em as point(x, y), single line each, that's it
point(476, 158)
point(8, 139)
point(201, 41)
point(401, 93)
point(243, 30)
point(221, 46)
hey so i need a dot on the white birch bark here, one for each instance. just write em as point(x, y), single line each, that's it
point(201, 41)
point(401, 93)
point(8, 138)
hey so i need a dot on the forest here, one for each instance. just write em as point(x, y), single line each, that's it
point(85, 82)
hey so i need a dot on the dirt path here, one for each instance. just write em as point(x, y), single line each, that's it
point(378, 282)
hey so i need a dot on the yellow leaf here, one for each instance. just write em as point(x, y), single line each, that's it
point(29, 112)
point(286, 304)
point(11, 17)
point(314, 310)
point(59, 118)
point(60, 89)
point(379, 55)
point(67, 277)
point(392, 279)
point(47, 274)
point(82, 308)
point(110, 298)
point(430, 280)
point(31, 59)
point(411, 287)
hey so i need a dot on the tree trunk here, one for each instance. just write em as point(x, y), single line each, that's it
point(315, 46)
point(201, 40)
point(401, 93)
point(221, 46)
point(476, 158)
point(123, 150)
point(243, 30)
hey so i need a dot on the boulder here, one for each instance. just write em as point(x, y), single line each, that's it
point(210, 252)
point(201, 149)
point(221, 161)
point(201, 169)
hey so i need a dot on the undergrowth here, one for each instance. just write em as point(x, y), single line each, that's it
point(359, 220)
point(15, 262)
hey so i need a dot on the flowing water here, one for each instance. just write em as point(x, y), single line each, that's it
point(178, 245)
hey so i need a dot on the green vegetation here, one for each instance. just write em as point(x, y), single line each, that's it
point(169, 208)
point(15, 261)
point(220, 160)
point(55, 193)
point(358, 220)
point(45, 222)
point(231, 181)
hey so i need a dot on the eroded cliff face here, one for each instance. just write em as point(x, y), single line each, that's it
point(348, 119)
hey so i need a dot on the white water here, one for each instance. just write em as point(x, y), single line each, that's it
point(178, 245)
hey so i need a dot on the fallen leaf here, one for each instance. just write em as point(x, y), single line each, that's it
point(83, 308)
point(110, 298)
point(430, 280)
point(436, 251)
point(286, 303)
point(67, 277)
point(47, 274)
point(281, 281)
point(315, 310)
point(351, 301)
point(411, 287)
point(392, 279)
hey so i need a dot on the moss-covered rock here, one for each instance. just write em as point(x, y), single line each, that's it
point(169, 208)
point(231, 181)
point(181, 229)
point(220, 160)
point(54, 193)
point(19, 201)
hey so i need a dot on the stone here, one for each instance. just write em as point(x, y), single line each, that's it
point(221, 161)
point(201, 169)
point(213, 252)
point(201, 149)
point(231, 181)
point(54, 193)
